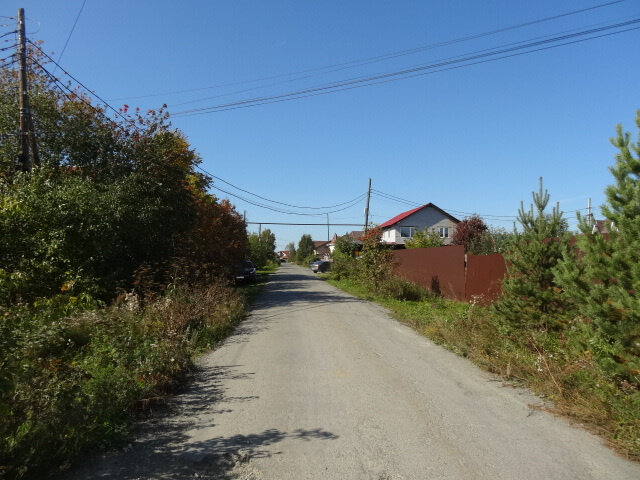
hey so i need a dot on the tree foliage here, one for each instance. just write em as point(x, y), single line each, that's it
point(262, 248)
point(304, 254)
point(115, 204)
point(424, 239)
point(375, 261)
point(603, 279)
point(345, 246)
point(492, 240)
point(291, 248)
point(530, 295)
point(469, 231)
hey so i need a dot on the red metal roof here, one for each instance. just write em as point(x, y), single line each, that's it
point(404, 215)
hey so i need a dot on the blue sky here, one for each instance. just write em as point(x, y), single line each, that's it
point(472, 139)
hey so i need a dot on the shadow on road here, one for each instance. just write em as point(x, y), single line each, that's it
point(165, 447)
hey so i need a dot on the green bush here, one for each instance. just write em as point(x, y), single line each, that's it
point(66, 232)
point(72, 375)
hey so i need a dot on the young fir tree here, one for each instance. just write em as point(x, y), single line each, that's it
point(530, 297)
point(603, 279)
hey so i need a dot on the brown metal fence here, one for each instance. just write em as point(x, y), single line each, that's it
point(452, 273)
point(440, 269)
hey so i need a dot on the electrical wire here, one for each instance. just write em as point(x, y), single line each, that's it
point(349, 203)
point(270, 200)
point(8, 48)
point(259, 87)
point(416, 204)
point(379, 58)
point(117, 112)
point(488, 216)
point(9, 64)
point(62, 87)
point(71, 32)
point(405, 73)
point(6, 34)
point(268, 207)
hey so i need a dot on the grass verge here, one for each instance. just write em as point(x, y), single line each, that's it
point(564, 367)
point(74, 373)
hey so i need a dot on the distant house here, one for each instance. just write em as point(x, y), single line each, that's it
point(283, 254)
point(603, 226)
point(321, 249)
point(355, 236)
point(429, 216)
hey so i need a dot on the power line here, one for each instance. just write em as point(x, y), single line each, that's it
point(258, 87)
point(308, 224)
point(268, 199)
point(348, 204)
point(72, 29)
point(378, 58)
point(117, 112)
point(286, 212)
point(416, 204)
point(413, 72)
point(488, 216)
point(8, 33)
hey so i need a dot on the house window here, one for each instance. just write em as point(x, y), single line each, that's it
point(444, 232)
point(407, 232)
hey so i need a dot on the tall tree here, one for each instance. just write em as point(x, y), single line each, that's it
point(305, 248)
point(530, 297)
point(262, 247)
point(291, 248)
point(604, 278)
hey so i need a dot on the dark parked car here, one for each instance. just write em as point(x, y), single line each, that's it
point(321, 266)
point(245, 272)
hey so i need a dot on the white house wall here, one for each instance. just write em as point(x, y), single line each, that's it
point(427, 217)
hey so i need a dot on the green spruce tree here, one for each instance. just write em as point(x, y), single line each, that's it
point(530, 296)
point(603, 279)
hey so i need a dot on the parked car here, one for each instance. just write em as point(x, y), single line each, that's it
point(321, 266)
point(246, 272)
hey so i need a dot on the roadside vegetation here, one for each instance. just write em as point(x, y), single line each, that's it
point(567, 325)
point(116, 269)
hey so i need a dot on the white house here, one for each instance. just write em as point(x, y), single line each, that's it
point(405, 225)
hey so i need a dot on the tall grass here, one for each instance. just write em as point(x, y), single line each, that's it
point(73, 373)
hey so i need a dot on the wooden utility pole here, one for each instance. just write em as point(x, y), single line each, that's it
point(366, 209)
point(328, 228)
point(589, 215)
point(28, 149)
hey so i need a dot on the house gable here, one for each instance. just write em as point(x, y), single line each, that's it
point(428, 216)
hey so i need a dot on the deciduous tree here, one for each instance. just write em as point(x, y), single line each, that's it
point(468, 231)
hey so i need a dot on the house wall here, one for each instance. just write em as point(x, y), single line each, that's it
point(427, 217)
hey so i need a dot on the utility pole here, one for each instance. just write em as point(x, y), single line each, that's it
point(27, 137)
point(328, 228)
point(589, 213)
point(366, 209)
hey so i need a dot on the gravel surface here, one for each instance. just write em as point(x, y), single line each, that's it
point(317, 384)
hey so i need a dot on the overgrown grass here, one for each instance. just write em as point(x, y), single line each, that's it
point(74, 373)
point(565, 367)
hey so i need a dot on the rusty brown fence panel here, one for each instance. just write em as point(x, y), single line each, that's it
point(484, 277)
point(440, 269)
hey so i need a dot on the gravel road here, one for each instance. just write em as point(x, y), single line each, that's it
point(317, 384)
